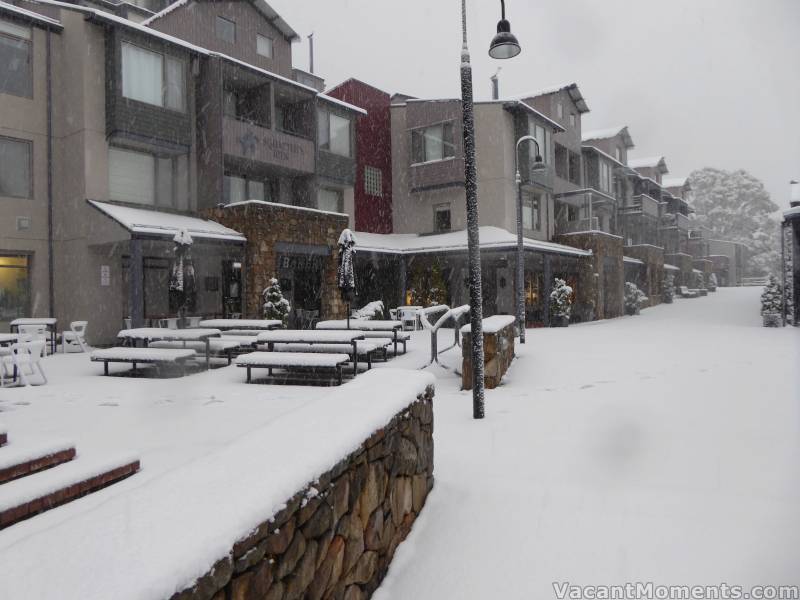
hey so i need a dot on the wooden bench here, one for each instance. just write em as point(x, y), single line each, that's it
point(365, 348)
point(135, 356)
point(310, 361)
point(219, 347)
point(685, 292)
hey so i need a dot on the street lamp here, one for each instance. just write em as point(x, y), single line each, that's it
point(504, 45)
point(538, 165)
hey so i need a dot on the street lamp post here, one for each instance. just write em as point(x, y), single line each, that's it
point(538, 165)
point(504, 45)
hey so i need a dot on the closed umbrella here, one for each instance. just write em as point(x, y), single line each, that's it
point(346, 276)
point(182, 287)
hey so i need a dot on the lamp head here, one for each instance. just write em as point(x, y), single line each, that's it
point(505, 44)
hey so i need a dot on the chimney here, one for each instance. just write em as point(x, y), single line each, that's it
point(795, 195)
point(311, 53)
point(496, 85)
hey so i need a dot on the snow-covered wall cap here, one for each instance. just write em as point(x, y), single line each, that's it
point(29, 15)
point(492, 324)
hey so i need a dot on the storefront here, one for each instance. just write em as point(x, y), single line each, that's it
point(15, 288)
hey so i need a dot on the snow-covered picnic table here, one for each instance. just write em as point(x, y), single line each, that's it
point(8, 338)
point(312, 336)
point(364, 325)
point(256, 324)
point(48, 322)
point(160, 334)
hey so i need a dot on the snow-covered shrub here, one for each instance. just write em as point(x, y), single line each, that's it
point(372, 310)
point(712, 282)
point(699, 281)
point(561, 300)
point(634, 298)
point(669, 288)
point(771, 298)
point(275, 305)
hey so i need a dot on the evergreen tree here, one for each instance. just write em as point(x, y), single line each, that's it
point(561, 299)
point(736, 206)
point(772, 297)
point(634, 298)
point(669, 288)
point(275, 305)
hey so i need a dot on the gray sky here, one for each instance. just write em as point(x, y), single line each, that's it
point(702, 82)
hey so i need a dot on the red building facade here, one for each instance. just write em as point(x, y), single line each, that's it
point(373, 185)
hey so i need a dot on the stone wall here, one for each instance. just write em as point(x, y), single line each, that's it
point(685, 262)
point(277, 229)
point(653, 258)
point(706, 266)
point(498, 352)
point(602, 281)
point(336, 537)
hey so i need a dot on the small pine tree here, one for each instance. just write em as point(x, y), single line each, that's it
point(275, 305)
point(634, 298)
point(669, 288)
point(699, 281)
point(772, 297)
point(712, 282)
point(561, 299)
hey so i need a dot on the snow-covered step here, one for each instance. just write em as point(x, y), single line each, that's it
point(19, 462)
point(37, 493)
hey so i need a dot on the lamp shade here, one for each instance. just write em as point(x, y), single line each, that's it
point(538, 164)
point(504, 44)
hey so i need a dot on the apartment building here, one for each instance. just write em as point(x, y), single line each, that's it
point(131, 127)
point(790, 254)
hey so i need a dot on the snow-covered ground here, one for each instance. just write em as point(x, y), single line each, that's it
point(663, 447)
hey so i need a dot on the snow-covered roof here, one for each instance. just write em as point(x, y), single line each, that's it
point(674, 182)
point(654, 162)
point(632, 261)
point(29, 15)
point(341, 103)
point(153, 222)
point(491, 237)
point(527, 108)
point(610, 132)
point(606, 156)
point(289, 206)
point(572, 88)
point(263, 7)
point(792, 212)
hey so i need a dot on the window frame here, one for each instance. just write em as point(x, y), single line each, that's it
point(532, 206)
point(373, 175)
point(165, 58)
point(217, 21)
point(451, 144)
point(271, 55)
point(175, 202)
point(29, 144)
point(267, 183)
point(29, 42)
point(324, 125)
point(442, 208)
point(339, 199)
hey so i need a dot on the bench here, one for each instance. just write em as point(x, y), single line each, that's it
point(135, 356)
point(220, 347)
point(685, 292)
point(311, 361)
point(365, 348)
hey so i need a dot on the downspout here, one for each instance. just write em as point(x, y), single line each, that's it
point(50, 251)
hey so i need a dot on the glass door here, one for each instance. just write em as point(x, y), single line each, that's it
point(15, 289)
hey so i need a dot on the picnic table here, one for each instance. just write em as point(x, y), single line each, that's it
point(7, 339)
point(312, 336)
point(255, 324)
point(392, 327)
point(48, 322)
point(159, 334)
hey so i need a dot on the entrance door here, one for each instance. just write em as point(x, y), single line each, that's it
point(15, 291)
point(231, 289)
point(301, 283)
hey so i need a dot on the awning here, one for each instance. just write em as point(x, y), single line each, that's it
point(632, 261)
point(156, 223)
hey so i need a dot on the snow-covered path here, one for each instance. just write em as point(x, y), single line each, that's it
point(661, 448)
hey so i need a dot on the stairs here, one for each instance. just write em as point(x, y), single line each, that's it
point(36, 479)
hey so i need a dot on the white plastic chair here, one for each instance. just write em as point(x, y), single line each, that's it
point(25, 356)
point(195, 321)
point(35, 333)
point(75, 337)
point(127, 323)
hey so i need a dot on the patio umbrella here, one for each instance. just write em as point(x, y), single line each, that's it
point(182, 288)
point(346, 276)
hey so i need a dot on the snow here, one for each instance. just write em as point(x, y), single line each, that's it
point(280, 205)
point(295, 359)
point(310, 336)
point(649, 161)
point(241, 323)
point(670, 267)
point(34, 321)
point(657, 448)
point(342, 103)
point(30, 15)
point(528, 108)
point(492, 324)
point(602, 134)
point(674, 182)
point(143, 354)
point(139, 220)
point(346, 237)
point(364, 324)
point(631, 260)
point(491, 237)
point(183, 238)
point(15, 455)
point(165, 11)
point(140, 538)
point(795, 210)
point(161, 333)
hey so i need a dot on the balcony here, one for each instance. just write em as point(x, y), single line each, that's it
point(249, 141)
point(645, 204)
point(585, 210)
point(564, 226)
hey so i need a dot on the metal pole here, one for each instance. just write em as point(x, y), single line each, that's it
point(520, 247)
point(473, 236)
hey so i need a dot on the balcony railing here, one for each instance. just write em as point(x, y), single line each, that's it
point(577, 225)
point(646, 204)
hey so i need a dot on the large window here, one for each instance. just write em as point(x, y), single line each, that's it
point(142, 178)
point(237, 188)
point(441, 218)
point(432, 143)
point(606, 178)
point(226, 30)
point(334, 133)
point(542, 136)
point(15, 168)
point(153, 78)
point(330, 200)
point(16, 75)
point(250, 105)
point(373, 181)
point(532, 211)
point(264, 46)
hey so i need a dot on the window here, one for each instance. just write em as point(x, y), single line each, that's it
point(334, 133)
point(532, 211)
point(236, 188)
point(15, 297)
point(432, 143)
point(574, 167)
point(562, 161)
point(16, 75)
point(264, 46)
point(560, 110)
point(226, 30)
point(251, 105)
point(441, 218)
point(15, 168)
point(153, 78)
point(606, 178)
point(542, 136)
point(373, 181)
point(573, 120)
point(618, 153)
point(330, 200)
point(143, 178)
